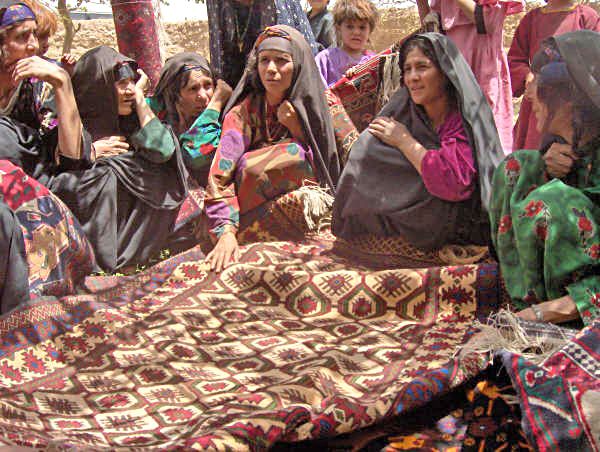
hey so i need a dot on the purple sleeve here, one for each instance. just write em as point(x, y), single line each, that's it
point(322, 59)
point(449, 172)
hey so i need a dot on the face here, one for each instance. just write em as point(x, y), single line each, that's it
point(196, 94)
point(44, 44)
point(424, 81)
point(125, 96)
point(354, 34)
point(560, 118)
point(275, 70)
point(21, 42)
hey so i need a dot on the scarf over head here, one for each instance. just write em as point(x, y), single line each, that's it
point(305, 94)
point(380, 187)
point(185, 61)
point(14, 14)
point(93, 81)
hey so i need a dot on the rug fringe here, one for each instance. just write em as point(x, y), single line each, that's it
point(390, 77)
point(318, 203)
point(462, 255)
point(505, 331)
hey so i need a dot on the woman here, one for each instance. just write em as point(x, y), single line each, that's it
point(128, 200)
point(44, 251)
point(235, 25)
point(422, 169)
point(190, 100)
point(477, 29)
point(277, 133)
point(545, 208)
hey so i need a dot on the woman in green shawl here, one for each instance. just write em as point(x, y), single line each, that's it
point(545, 209)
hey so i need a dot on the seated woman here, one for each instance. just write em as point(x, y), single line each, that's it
point(422, 170)
point(545, 208)
point(127, 202)
point(276, 135)
point(189, 99)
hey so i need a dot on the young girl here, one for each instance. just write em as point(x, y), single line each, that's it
point(556, 18)
point(476, 27)
point(354, 22)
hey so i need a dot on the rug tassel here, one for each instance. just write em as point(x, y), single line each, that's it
point(390, 78)
point(504, 331)
point(317, 202)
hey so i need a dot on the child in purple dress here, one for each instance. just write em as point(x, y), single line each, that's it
point(354, 22)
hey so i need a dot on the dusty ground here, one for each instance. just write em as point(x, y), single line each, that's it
point(193, 35)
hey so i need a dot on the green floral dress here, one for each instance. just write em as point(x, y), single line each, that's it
point(547, 232)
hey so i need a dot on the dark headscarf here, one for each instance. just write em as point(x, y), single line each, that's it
point(307, 97)
point(581, 52)
point(164, 97)
point(93, 81)
point(381, 192)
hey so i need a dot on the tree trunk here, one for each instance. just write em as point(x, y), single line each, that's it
point(65, 16)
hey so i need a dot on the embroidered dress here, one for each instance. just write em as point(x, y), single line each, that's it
point(536, 26)
point(482, 47)
point(48, 252)
point(547, 233)
point(256, 161)
point(334, 62)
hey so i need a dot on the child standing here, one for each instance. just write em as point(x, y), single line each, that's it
point(354, 22)
point(476, 27)
point(321, 22)
point(556, 18)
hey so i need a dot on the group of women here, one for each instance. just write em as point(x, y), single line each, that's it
point(429, 168)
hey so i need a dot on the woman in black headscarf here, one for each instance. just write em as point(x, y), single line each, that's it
point(423, 168)
point(127, 202)
point(545, 208)
point(189, 99)
point(277, 132)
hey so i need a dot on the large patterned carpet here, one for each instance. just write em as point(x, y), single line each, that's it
point(292, 343)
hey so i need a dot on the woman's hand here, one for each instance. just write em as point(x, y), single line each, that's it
point(225, 252)
point(221, 96)
point(391, 132)
point(287, 115)
point(39, 68)
point(559, 160)
point(560, 310)
point(141, 86)
point(110, 146)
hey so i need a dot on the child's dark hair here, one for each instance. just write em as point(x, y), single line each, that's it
point(355, 10)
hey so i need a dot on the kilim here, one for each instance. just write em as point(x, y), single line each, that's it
point(291, 343)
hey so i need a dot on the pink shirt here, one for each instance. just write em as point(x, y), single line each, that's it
point(485, 54)
point(449, 172)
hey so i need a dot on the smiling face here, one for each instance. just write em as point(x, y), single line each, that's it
point(354, 34)
point(20, 42)
point(276, 70)
point(125, 89)
point(424, 81)
point(196, 94)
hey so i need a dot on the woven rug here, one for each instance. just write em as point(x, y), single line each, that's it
point(291, 343)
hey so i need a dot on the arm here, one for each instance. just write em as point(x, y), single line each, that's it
point(69, 126)
point(518, 57)
point(153, 139)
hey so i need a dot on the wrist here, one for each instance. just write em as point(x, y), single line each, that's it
point(60, 79)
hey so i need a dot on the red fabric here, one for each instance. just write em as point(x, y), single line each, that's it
point(449, 172)
point(137, 35)
point(16, 187)
point(532, 30)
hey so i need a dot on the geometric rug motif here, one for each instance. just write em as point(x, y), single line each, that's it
point(291, 343)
